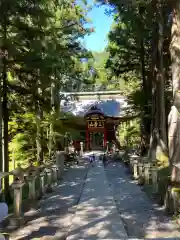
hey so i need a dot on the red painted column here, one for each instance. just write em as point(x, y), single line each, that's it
point(105, 137)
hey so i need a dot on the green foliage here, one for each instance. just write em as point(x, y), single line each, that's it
point(129, 133)
point(41, 42)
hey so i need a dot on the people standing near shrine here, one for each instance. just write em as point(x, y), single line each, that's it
point(92, 159)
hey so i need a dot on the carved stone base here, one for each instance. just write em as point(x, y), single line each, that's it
point(135, 178)
point(16, 222)
point(55, 184)
point(141, 181)
point(49, 189)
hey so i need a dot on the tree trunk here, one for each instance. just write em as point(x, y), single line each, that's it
point(154, 109)
point(51, 130)
point(5, 107)
point(174, 118)
point(1, 118)
point(145, 122)
point(39, 134)
point(161, 79)
point(158, 145)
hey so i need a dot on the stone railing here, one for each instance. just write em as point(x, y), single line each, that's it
point(172, 199)
point(142, 170)
point(146, 172)
point(39, 180)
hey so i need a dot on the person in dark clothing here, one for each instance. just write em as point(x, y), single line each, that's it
point(92, 159)
point(104, 158)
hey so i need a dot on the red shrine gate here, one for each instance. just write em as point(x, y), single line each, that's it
point(95, 123)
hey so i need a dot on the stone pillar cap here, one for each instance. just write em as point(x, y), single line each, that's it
point(18, 171)
point(31, 170)
point(3, 174)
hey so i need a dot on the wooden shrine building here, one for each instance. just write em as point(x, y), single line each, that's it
point(100, 129)
point(97, 123)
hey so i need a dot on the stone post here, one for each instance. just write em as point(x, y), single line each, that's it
point(32, 187)
point(81, 149)
point(131, 162)
point(60, 163)
point(107, 146)
point(147, 172)
point(49, 179)
point(55, 174)
point(175, 194)
point(132, 159)
point(31, 173)
point(42, 181)
point(135, 169)
point(140, 169)
point(154, 179)
point(18, 217)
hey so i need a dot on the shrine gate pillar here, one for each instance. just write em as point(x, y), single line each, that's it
point(105, 137)
point(87, 139)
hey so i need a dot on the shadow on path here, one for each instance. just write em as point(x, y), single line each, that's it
point(141, 216)
point(96, 215)
point(54, 216)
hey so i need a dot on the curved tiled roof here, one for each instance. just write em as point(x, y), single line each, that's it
point(112, 108)
point(94, 110)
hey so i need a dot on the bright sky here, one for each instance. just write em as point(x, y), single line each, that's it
point(97, 41)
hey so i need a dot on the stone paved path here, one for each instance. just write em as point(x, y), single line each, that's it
point(96, 215)
point(142, 218)
point(111, 206)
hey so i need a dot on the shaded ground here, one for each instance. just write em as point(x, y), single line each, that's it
point(53, 218)
point(85, 205)
point(141, 216)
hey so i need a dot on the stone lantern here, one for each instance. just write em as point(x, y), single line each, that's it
point(49, 173)
point(18, 174)
point(55, 174)
point(134, 159)
point(147, 167)
point(60, 157)
point(81, 148)
point(17, 185)
point(42, 174)
point(31, 174)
